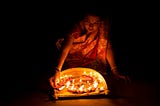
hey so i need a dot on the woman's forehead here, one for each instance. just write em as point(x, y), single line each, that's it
point(92, 18)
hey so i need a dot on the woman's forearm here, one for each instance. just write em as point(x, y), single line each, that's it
point(111, 58)
point(64, 52)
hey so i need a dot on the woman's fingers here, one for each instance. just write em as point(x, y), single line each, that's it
point(125, 78)
point(54, 81)
point(59, 43)
point(51, 81)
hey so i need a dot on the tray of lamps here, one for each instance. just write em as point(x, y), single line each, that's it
point(76, 82)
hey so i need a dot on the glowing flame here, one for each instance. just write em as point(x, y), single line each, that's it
point(95, 84)
point(72, 87)
point(81, 88)
point(89, 88)
point(101, 88)
point(61, 88)
point(67, 84)
point(90, 74)
point(80, 80)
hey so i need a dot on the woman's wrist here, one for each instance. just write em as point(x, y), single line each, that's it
point(53, 71)
point(114, 68)
point(56, 69)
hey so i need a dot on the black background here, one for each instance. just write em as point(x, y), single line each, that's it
point(29, 31)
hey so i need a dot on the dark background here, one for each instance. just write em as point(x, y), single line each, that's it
point(30, 30)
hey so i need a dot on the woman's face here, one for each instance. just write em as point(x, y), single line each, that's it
point(91, 23)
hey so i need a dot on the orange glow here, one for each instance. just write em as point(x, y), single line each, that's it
point(81, 82)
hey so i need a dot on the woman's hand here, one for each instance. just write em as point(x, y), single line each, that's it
point(118, 76)
point(59, 43)
point(53, 80)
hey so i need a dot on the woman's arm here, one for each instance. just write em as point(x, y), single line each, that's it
point(111, 60)
point(54, 78)
point(64, 51)
point(110, 57)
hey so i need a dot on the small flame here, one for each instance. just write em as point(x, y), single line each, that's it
point(72, 87)
point(89, 88)
point(88, 82)
point(73, 80)
point(101, 88)
point(95, 84)
point(99, 79)
point(67, 84)
point(80, 80)
point(81, 88)
point(90, 74)
point(61, 87)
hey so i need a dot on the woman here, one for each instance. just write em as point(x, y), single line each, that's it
point(87, 45)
